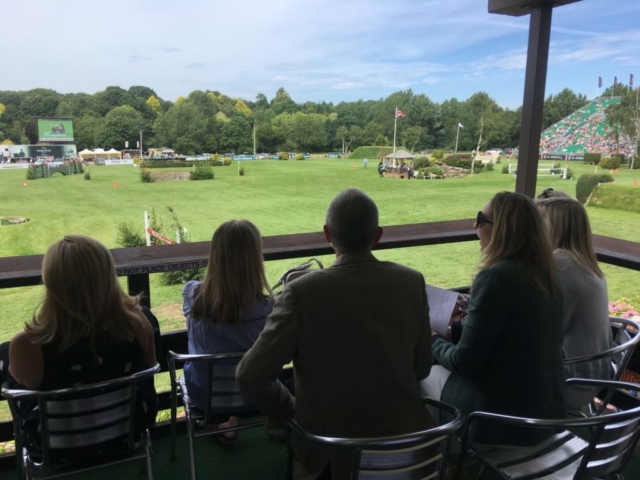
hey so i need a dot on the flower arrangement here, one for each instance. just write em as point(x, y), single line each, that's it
point(623, 308)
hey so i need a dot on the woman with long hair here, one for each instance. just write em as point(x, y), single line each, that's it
point(587, 330)
point(509, 357)
point(226, 312)
point(86, 330)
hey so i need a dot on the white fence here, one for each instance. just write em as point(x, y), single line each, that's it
point(544, 170)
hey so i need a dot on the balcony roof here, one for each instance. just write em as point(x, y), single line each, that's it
point(518, 8)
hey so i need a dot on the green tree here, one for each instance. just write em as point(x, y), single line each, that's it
point(154, 104)
point(242, 108)
point(2, 109)
point(381, 141)
point(411, 136)
point(74, 105)
point(268, 138)
point(557, 107)
point(625, 117)
point(112, 97)
point(120, 125)
point(236, 135)
point(141, 92)
point(184, 128)
point(282, 103)
point(85, 130)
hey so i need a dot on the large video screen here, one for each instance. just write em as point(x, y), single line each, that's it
point(55, 130)
point(16, 153)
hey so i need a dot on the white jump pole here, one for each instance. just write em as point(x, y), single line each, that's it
point(146, 228)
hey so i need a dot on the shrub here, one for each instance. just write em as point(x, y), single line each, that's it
point(611, 163)
point(421, 162)
point(227, 162)
point(145, 176)
point(87, 175)
point(438, 154)
point(505, 169)
point(586, 184)
point(241, 172)
point(499, 160)
point(636, 163)
point(299, 156)
point(606, 178)
point(489, 167)
point(477, 168)
point(32, 174)
point(128, 236)
point(183, 163)
point(592, 158)
point(433, 171)
point(621, 157)
point(283, 155)
point(569, 174)
point(201, 172)
point(215, 157)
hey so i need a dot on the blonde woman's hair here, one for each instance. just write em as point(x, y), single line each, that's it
point(235, 273)
point(569, 231)
point(518, 235)
point(83, 298)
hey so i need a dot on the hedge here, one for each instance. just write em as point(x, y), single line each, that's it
point(182, 163)
point(421, 162)
point(611, 163)
point(586, 184)
point(592, 157)
point(202, 172)
point(438, 154)
point(617, 197)
point(606, 178)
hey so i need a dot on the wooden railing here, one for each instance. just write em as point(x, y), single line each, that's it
point(137, 264)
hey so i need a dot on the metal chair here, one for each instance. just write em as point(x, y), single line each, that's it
point(96, 415)
point(564, 455)
point(626, 338)
point(418, 455)
point(226, 400)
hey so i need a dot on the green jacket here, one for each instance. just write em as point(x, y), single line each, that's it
point(509, 358)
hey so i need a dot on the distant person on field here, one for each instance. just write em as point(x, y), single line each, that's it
point(365, 162)
point(357, 351)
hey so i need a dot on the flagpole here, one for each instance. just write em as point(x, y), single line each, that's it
point(457, 137)
point(254, 141)
point(395, 125)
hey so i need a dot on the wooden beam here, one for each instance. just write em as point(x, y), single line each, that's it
point(518, 8)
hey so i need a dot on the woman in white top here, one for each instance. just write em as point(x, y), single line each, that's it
point(587, 330)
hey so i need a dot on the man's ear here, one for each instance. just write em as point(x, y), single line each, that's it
point(378, 235)
point(327, 234)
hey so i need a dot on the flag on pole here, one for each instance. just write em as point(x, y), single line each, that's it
point(599, 82)
point(460, 125)
point(399, 113)
point(631, 80)
point(615, 82)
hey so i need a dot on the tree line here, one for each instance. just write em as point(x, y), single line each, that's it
point(209, 121)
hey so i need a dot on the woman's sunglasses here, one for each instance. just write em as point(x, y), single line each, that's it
point(481, 219)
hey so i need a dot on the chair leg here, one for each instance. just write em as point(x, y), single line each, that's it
point(174, 426)
point(149, 451)
point(481, 472)
point(192, 450)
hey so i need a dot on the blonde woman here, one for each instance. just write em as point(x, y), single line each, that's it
point(586, 312)
point(86, 330)
point(509, 357)
point(226, 311)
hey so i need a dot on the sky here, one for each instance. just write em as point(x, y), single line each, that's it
point(318, 50)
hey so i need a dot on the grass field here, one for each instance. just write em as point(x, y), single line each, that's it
point(280, 197)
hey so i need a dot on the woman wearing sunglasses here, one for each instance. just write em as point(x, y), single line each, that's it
point(509, 357)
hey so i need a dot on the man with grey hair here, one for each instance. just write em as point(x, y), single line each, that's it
point(359, 337)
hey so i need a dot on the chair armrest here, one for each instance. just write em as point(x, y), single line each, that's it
point(21, 393)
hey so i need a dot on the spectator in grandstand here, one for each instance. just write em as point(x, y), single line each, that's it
point(509, 357)
point(226, 311)
point(358, 352)
point(586, 313)
point(87, 330)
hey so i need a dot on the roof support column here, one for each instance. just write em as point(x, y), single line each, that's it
point(534, 91)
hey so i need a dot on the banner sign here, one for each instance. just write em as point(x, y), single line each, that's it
point(577, 157)
point(55, 130)
point(551, 156)
point(126, 161)
point(17, 153)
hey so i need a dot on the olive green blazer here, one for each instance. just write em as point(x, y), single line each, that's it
point(509, 358)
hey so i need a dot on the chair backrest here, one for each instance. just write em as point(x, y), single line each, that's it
point(613, 440)
point(83, 416)
point(225, 395)
point(419, 455)
point(627, 336)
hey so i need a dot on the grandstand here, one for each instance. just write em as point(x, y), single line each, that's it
point(585, 130)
